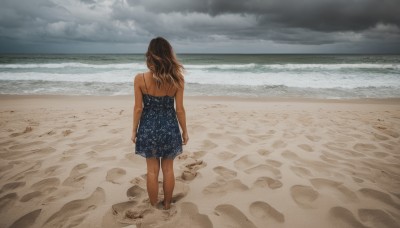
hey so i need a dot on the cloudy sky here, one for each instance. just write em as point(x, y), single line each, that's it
point(200, 26)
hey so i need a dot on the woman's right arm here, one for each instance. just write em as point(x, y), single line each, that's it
point(181, 114)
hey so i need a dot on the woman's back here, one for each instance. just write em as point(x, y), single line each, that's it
point(157, 98)
point(151, 88)
point(158, 133)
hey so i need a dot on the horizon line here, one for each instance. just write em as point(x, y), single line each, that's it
point(191, 53)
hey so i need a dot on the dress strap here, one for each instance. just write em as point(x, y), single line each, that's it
point(145, 84)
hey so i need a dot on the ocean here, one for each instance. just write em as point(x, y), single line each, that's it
point(244, 75)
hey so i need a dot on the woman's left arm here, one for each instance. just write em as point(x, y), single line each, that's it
point(138, 107)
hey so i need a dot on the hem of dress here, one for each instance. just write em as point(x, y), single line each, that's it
point(167, 157)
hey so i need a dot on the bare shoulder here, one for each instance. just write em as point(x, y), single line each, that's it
point(138, 78)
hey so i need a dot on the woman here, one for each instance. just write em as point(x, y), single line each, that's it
point(155, 121)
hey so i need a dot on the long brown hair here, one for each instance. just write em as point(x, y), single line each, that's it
point(162, 62)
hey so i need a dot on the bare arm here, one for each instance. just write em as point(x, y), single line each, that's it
point(181, 114)
point(138, 107)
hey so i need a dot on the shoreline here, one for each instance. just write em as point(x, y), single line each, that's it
point(391, 100)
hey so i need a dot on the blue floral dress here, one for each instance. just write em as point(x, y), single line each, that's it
point(158, 135)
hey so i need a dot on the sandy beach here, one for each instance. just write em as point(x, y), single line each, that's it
point(68, 161)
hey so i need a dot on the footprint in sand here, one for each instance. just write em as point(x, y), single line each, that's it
point(208, 145)
point(279, 144)
point(119, 209)
point(27, 154)
point(53, 170)
point(114, 174)
point(291, 156)
point(388, 146)
point(267, 213)
point(30, 196)
point(238, 141)
point(342, 151)
point(26, 220)
point(335, 189)
point(301, 171)
point(190, 170)
point(189, 214)
point(95, 156)
point(386, 131)
point(263, 152)
point(379, 196)
point(224, 156)
point(235, 148)
point(264, 170)
point(26, 173)
point(358, 180)
point(45, 184)
point(73, 212)
point(380, 154)
point(77, 176)
point(263, 182)
point(139, 215)
point(313, 138)
point(42, 188)
point(138, 193)
point(214, 135)
point(116, 130)
point(3, 144)
point(12, 186)
point(230, 216)
point(377, 218)
point(380, 137)
point(26, 145)
point(369, 149)
point(225, 172)
point(362, 147)
point(328, 160)
point(289, 135)
point(108, 145)
point(27, 130)
point(7, 201)
point(246, 161)
point(138, 209)
point(274, 163)
point(135, 193)
point(51, 132)
point(342, 217)
point(67, 132)
point(180, 191)
point(335, 145)
point(198, 154)
point(139, 181)
point(306, 147)
point(222, 187)
point(304, 196)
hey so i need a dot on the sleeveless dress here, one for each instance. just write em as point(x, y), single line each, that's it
point(158, 135)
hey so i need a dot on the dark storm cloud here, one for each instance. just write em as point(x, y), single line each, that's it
point(324, 15)
point(60, 22)
point(210, 24)
point(283, 21)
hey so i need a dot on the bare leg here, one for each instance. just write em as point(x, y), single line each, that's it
point(153, 168)
point(167, 166)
